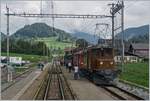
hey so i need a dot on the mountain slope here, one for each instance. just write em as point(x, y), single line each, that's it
point(134, 32)
point(140, 39)
point(39, 30)
point(88, 37)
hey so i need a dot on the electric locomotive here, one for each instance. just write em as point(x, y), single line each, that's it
point(96, 63)
point(101, 64)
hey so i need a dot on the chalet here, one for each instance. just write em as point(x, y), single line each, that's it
point(140, 49)
point(128, 58)
point(134, 53)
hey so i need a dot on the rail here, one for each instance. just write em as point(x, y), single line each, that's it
point(121, 93)
point(16, 77)
point(56, 87)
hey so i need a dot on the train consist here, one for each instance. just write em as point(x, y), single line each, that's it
point(95, 62)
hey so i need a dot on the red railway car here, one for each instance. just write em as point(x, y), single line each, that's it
point(78, 58)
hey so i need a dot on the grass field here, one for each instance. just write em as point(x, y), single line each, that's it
point(51, 42)
point(136, 73)
point(31, 58)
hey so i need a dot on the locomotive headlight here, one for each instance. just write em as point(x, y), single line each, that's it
point(111, 63)
point(101, 63)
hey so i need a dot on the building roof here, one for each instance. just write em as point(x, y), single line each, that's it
point(140, 46)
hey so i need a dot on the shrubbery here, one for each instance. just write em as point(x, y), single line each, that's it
point(25, 47)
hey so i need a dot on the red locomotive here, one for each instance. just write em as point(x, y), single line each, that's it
point(96, 63)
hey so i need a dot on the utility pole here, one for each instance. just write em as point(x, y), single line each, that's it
point(0, 44)
point(0, 40)
point(122, 29)
point(47, 53)
point(43, 49)
point(115, 8)
point(113, 15)
point(9, 76)
point(7, 35)
point(41, 8)
point(52, 12)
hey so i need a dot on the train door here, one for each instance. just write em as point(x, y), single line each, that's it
point(89, 59)
point(85, 60)
point(75, 59)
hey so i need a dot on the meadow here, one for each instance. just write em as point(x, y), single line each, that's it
point(137, 73)
point(52, 43)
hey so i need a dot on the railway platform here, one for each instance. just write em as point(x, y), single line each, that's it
point(85, 90)
point(16, 90)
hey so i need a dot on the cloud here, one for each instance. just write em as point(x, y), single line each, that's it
point(136, 14)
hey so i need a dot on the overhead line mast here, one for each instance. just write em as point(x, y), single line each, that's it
point(115, 8)
point(41, 7)
point(7, 35)
point(52, 12)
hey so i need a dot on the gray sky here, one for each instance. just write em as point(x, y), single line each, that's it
point(137, 13)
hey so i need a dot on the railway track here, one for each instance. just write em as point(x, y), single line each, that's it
point(55, 86)
point(120, 93)
point(17, 78)
point(136, 89)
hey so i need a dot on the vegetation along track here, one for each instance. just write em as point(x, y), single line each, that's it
point(55, 86)
point(121, 94)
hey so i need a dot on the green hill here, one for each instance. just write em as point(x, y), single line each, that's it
point(41, 30)
point(136, 34)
